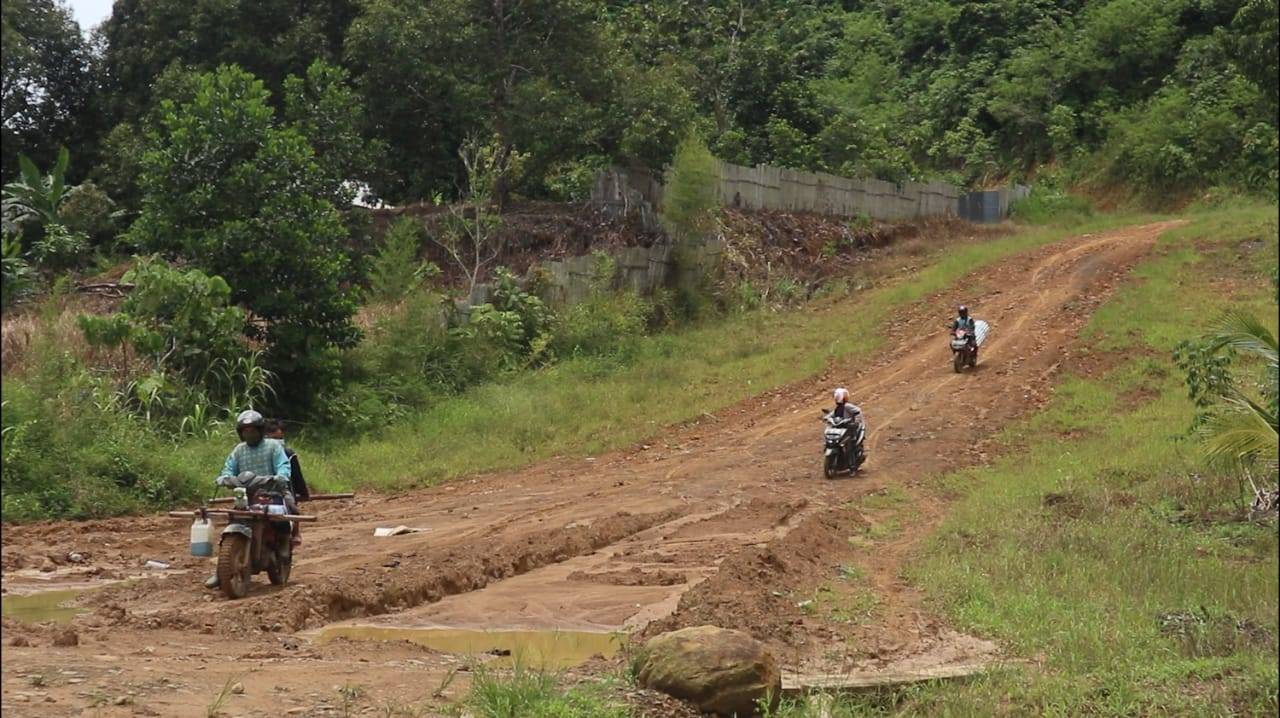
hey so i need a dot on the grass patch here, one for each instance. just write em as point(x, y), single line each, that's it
point(890, 497)
point(1078, 553)
point(525, 693)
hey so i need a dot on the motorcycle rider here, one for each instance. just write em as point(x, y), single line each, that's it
point(848, 410)
point(256, 453)
point(275, 432)
point(844, 409)
point(965, 322)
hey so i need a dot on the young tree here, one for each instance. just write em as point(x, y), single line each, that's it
point(470, 233)
point(228, 190)
point(35, 207)
point(1243, 428)
point(396, 269)
point(689, 194)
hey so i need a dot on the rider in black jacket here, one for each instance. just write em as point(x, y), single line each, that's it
point(965, 322)
point(275, 430)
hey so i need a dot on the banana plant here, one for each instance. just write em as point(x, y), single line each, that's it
point(34, 196)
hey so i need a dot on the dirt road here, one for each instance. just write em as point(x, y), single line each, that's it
point(725, 521)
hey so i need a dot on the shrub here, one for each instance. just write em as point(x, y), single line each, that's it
point(195, 366)
point(89, 211)
point(571, 181)
point(603, 325)
point(533, 317)
point(16, 275)
point(689, 194)
point(1048, 205)
point(396, 268)
point(58, 247)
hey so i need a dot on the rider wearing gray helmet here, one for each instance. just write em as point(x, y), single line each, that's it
point(256, 453)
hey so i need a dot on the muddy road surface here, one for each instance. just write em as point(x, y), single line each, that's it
point(727, 520)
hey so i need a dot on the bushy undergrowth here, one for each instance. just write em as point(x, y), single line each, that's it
point(422, 350)
point(1049, 205)
point(69, 451)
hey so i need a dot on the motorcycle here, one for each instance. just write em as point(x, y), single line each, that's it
point(842, 444)
point(257, 535)
point(964, 350)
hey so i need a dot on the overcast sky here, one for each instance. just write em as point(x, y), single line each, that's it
point(90, 13)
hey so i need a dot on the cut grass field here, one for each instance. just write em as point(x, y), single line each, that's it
point(582, 407)
point(1100, 548)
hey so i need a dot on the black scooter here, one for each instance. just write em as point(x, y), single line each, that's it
point(843, 444)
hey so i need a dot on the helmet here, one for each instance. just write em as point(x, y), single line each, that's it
point(841, 395)
point(964, 311)
point(250, 418)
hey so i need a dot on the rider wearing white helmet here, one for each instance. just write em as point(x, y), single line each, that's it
point(844, 409)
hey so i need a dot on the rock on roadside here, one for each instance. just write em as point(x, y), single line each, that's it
point(719, 670)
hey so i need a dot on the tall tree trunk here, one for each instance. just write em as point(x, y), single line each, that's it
point(503, 79)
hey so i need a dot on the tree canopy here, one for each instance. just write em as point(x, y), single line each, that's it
point(1155, 95)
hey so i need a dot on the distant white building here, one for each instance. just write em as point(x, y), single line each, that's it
point(364, 196)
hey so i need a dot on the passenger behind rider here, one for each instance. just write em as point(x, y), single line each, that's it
point(275, 431)
point(965, 322)
point(256, 453)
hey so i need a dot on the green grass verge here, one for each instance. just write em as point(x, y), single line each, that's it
point(1108, 558)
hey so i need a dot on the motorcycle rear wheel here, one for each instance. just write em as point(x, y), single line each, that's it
point(233, 566)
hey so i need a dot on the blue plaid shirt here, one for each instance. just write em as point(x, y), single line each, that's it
point(265, 459)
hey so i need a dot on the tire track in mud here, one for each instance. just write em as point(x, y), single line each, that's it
point(735, 506)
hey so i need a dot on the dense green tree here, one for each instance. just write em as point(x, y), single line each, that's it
point(48, 84)
point(324, 108)
point(272, 39)
point(526, 72)
point(228, 189)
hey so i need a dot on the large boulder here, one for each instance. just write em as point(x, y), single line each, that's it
point(720, 671)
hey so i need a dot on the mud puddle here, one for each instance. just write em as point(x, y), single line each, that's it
point(534, 649)
point(57, 606)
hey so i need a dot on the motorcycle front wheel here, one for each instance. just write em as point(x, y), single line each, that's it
point(958, 362)
point(233, 566)
point(830, 466)
point(279, 572)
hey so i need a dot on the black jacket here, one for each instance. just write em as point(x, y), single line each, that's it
point(300, 490)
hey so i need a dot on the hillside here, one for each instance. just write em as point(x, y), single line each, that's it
point(1004, 530)
point(558, 289)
